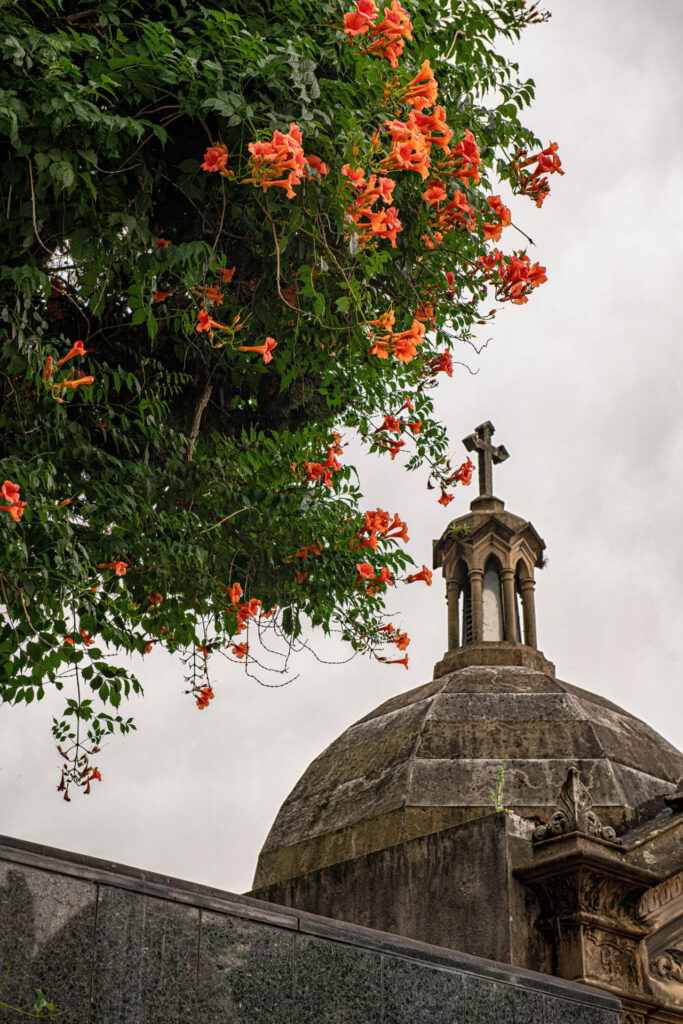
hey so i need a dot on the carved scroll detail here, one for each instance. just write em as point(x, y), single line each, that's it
point(574, 814)
point(668, 965)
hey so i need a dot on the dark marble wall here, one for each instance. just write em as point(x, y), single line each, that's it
point(113, 945)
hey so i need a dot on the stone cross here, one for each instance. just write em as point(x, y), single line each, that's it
point(480, 441)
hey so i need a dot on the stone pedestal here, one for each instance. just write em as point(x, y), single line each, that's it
point(504, 653)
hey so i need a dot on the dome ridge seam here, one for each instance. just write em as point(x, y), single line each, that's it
point(413, 754)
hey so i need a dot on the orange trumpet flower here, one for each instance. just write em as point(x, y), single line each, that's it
point(263, 350)
point(204, 695)
point(118, 567)
point(423, 89)
point(424, 575)
point(216, 158)
point(76, 350)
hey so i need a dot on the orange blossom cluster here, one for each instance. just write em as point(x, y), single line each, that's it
point(412, 140)
point(74, 380)
point(494, 229)
point(10, 492)
point(380, 524)
point(462, 475)
point(315, 471)
point(443, 363)
point(462, 164)
point(386, 38)
point(535, 183)
point(394, 636)
point(401, 344)
point(382, 223)
point(208, 324)
point(204, 695)
point(422, 90)
point(244, 611)
point(279, 163)
point(395, 425)
point(515, 276)
point(85, 775)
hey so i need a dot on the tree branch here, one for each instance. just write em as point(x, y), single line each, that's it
point(196, 422)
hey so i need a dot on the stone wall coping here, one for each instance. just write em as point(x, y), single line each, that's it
point(647, 830)
point(98, 871)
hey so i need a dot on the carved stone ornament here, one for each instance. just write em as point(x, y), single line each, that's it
point(612, 958)
point(662, 903)
point(574, 814)
point(668, 965)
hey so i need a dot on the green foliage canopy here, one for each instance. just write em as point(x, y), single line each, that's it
point(186, 461)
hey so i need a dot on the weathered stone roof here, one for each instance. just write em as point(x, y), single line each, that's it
point(487, 514)
point(426, 760)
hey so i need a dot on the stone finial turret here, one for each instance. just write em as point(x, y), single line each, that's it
point(488, 559)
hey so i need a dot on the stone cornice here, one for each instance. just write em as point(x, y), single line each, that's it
point(576, 850)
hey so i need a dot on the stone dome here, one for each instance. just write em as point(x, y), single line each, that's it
point(427, 760)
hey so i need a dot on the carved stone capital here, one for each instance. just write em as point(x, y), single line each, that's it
point(574, 814)
point(585, 893)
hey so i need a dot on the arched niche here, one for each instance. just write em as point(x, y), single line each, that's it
point(493, 622)
point(464, 603)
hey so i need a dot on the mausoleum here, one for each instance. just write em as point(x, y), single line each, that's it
point(497, 809)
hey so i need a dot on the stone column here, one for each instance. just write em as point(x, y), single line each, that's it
point(509, 616)
point(529, 612)
point(452, 595)
point(476, 576)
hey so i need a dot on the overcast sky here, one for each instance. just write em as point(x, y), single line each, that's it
point(584, 387)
